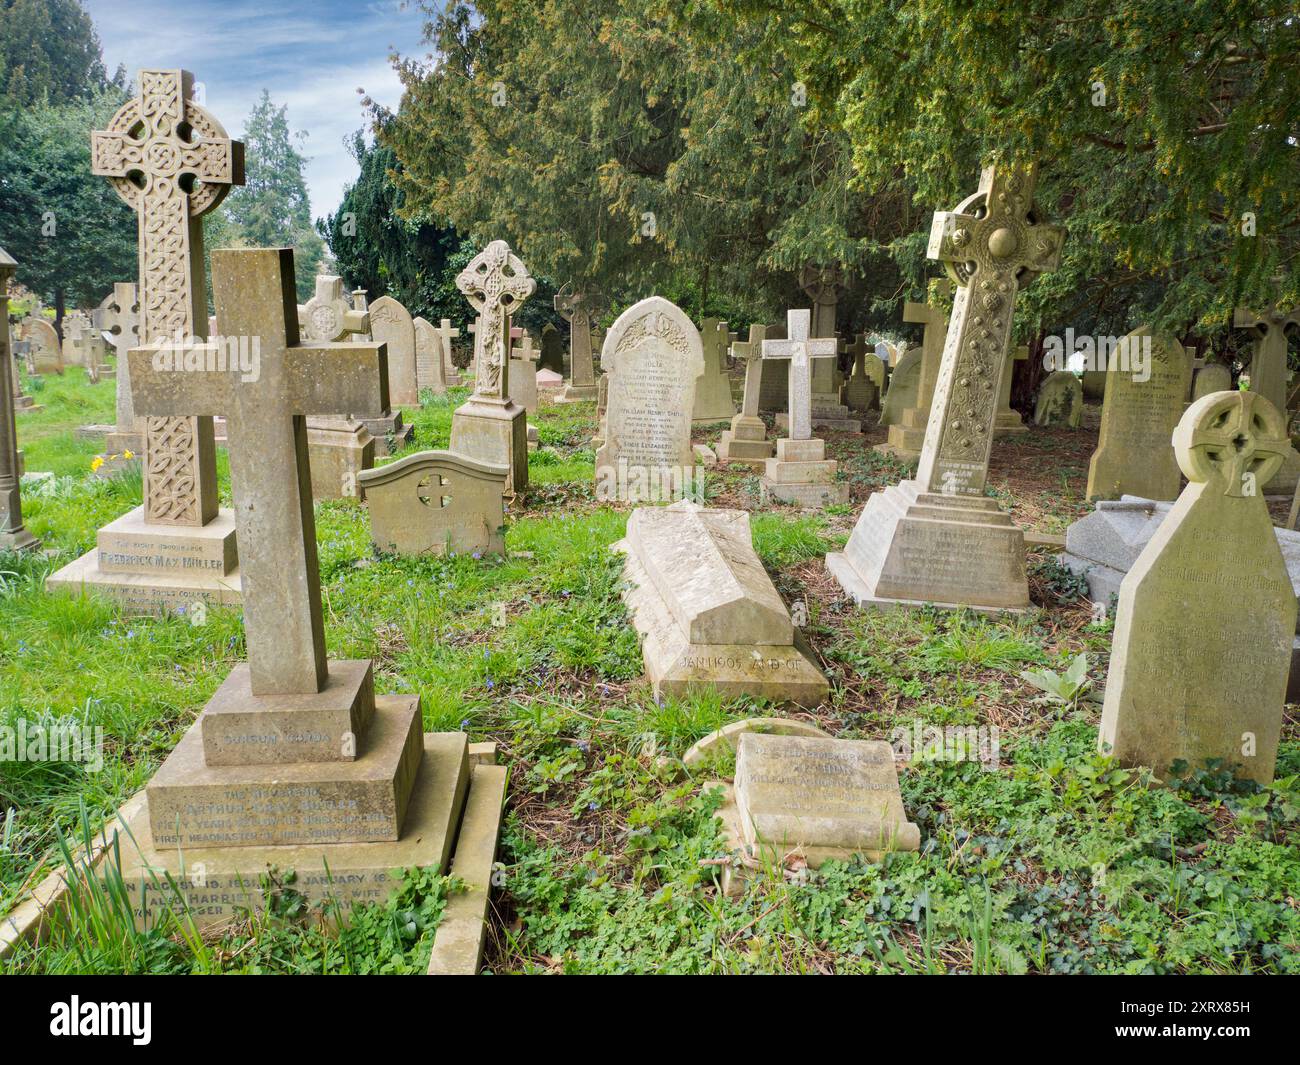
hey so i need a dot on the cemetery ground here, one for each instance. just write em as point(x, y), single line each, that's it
point(1048, 859)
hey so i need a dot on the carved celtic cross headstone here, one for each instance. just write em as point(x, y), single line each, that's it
point(171, 162)
point(1268, 370)
point(327, 315)
point(578, 309)
point(496, 283)
point(992, 246)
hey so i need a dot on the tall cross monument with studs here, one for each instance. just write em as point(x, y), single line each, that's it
point(938, 538)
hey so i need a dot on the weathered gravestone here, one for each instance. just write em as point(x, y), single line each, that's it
point(708, 613)
point(437, 502)
point(746, 441)
point(552, 350)
point(1268, 364)
point(653, 354)
point(446, 334)
point(1207, 614)
point(523, 373)
point(430, 361)
point(799, 472)
point(1269, 375)
point(523, 381)
point(294, 763)
point(391, 324)
point(774, 379)
point(578, 309)
point(908, 413)
point(119, 317)
point(1133, 455)
point(490, 426)
point(339, 447)
point(1212, 377)
point(713, 402)
point(45, 355)
point(1060, 400)
point(13, 534)
point(938, 538)
point(813, 800)
point(171, 162)
point(1008, 418)
point(84, 346)
point(859, 392)
point(903, 389)
point(822, 285)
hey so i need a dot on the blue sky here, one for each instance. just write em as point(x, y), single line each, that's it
point(310, 54)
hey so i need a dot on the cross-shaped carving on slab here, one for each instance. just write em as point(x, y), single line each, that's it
point(430, 488)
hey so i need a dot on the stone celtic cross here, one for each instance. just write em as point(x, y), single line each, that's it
point(1268, 370)
point(171, 162)
point(265, 401)
point(992, 246)
point(496, 283)
point(327, 315)
point(1237, 442)
point(800, 349)
point(578, 309)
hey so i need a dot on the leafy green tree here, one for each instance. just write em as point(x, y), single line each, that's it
point(1166, 135)
point(71, 234)
point(272, 208)
point(378, 249)
point(627, 147)
point(49, 53)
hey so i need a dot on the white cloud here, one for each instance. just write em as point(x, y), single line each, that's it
point(312, 56)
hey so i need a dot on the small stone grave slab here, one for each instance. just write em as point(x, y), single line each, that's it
point(814, 800)
point(437, 502)
point(708, 613)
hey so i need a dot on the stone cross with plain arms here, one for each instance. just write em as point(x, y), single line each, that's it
point(750, 352)
point(171, 162)
point(265, 406)
point(445, 334)
point(992, 245)
point(496, 283)
point(800, 349)
point(1268, 370)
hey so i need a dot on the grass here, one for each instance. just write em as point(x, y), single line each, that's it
point(1049, 861)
